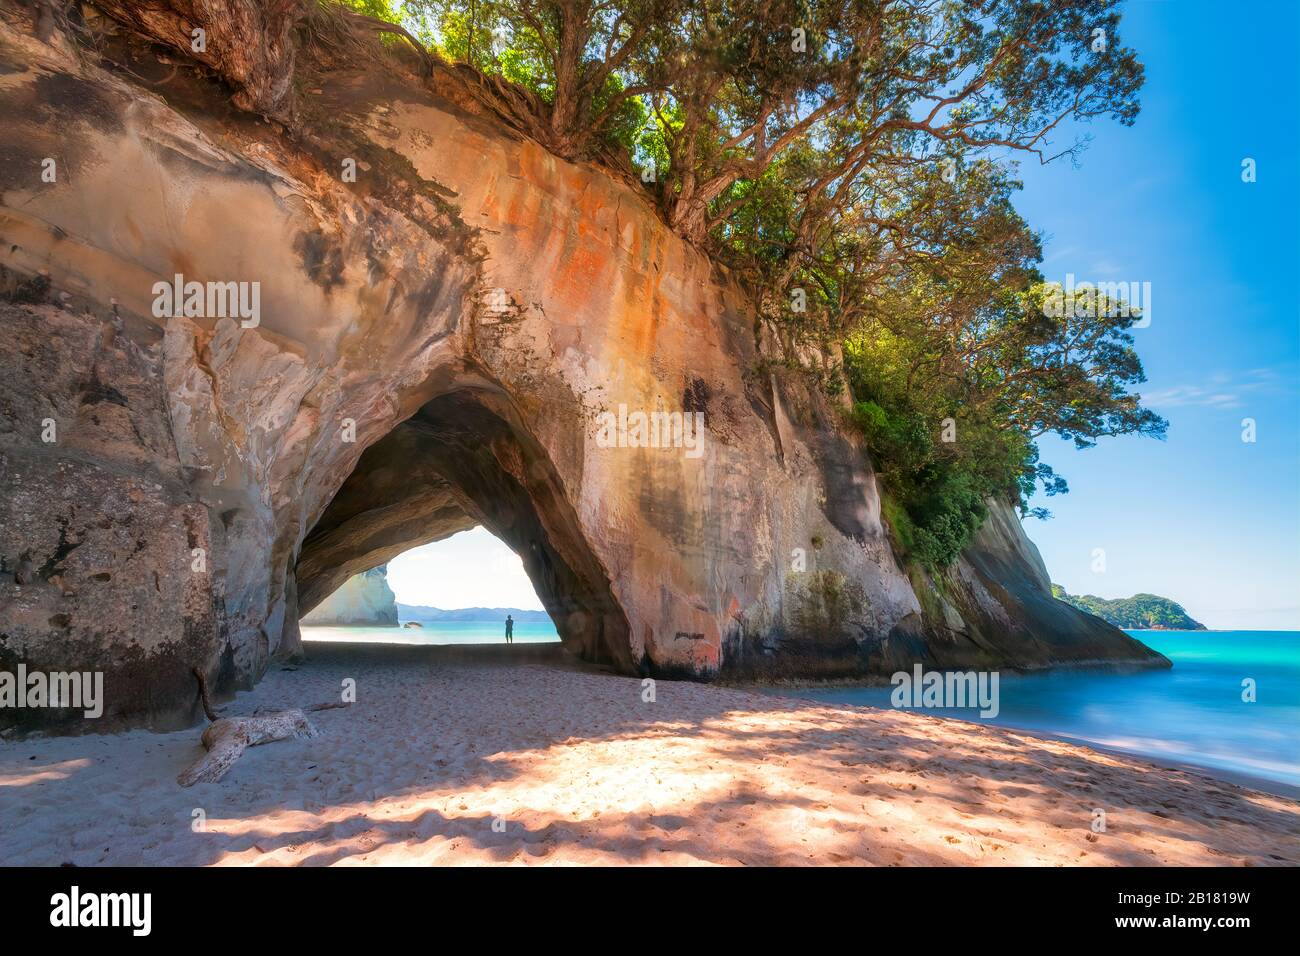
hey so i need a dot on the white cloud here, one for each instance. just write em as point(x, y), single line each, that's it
point(1216, 391)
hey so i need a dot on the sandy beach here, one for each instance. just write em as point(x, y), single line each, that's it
point(516, 756)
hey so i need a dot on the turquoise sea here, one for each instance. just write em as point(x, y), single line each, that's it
point(449, 632)
point(1192, 713)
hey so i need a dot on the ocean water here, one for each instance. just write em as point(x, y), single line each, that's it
point(449, 632)
point(1192, 713)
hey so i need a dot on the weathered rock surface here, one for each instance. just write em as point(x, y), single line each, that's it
point(437, 341)
point(365, 599)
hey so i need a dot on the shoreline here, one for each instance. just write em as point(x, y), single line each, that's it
point(1210, 630)
point(1224, 775)
point(1237, 778)
point(882, 680)
point(484, 755)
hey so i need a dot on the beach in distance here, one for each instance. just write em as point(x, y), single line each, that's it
point(442, 632)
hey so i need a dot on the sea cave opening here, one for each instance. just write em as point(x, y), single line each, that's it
point(464, 466)
point(460, 589)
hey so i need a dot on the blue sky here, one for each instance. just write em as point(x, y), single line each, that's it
point(1203, 517)
point(470, 569)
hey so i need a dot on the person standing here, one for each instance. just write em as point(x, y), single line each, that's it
point(510, 629)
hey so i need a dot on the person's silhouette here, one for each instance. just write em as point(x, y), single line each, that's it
point(510, 629)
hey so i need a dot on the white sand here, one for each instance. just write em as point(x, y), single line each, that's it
point(575, 768)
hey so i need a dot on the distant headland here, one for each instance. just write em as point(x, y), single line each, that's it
point(1141, 612)
point(414, 612)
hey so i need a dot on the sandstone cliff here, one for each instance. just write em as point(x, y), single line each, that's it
point(364, 600)
point(436, 345)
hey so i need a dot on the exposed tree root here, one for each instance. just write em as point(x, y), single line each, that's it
point(203, 694)
point(375, 25)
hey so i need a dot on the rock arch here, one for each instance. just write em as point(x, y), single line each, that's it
point(464, 460)
point(469, 306)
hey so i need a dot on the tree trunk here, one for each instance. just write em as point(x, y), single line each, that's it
point(565, 109)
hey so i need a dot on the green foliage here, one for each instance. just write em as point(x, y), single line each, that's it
point(936, 500)
point(380, 9)
point(734, 87)
point(899, 521)
point(626, 125)
point(1139, 612)
point(947, 511)
point(960, 363)
point(950, 405)
point(469, 34)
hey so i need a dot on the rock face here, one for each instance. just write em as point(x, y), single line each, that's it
point(364, 599)
point(439, 345)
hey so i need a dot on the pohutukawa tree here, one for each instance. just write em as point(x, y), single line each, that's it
point(847, 158)
point(729, 88)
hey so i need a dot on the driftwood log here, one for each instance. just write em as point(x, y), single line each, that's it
point(226, 738)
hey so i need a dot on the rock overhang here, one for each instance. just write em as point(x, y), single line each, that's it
point(463, 261)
